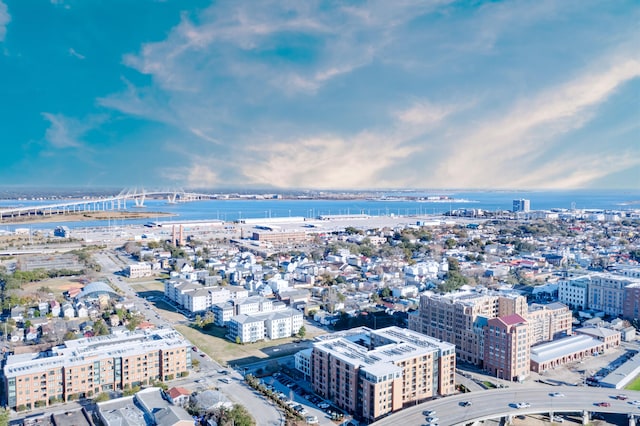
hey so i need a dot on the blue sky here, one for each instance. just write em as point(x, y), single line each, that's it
point(320, 94)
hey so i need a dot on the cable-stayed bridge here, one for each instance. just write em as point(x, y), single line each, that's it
point(127, 198)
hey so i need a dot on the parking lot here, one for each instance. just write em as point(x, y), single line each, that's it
point(297, 395)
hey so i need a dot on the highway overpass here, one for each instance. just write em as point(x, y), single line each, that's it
point(499, 403)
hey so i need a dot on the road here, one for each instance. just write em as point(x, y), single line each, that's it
point(492, 404)
point(209, 371)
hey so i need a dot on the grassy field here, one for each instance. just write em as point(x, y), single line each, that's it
point(56, 286)
point(213, 343)
point(146, 284)
point(634, 385)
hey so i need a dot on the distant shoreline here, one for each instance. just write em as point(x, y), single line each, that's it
point(84, 216)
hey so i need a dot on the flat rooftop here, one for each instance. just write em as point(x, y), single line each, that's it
point(80, 351)
point(561, 347)
point(394, 344)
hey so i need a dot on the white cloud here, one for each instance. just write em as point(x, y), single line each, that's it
point(424, 113)
point(66, 132)
point(73, 52)
point(499, 150)
point(327, 161)
point(576, 171)
point(290, 93)
point(5, 18)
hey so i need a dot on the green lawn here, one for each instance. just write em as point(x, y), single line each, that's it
point(635, 385)
point(212, 342)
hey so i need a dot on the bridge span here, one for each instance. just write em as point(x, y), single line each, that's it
point(501, 404)
point(125, 199)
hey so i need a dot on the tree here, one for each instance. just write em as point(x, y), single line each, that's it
point(302, 332)
point(386, 292)
point(69, 335)
point(454, 265)
point(100, 328)
point(450, 243)
point(101, 397)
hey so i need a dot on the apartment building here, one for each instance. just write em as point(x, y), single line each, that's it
point(631, 304)
point(548, 322)
point(88, 366)
point(574, 292)
point(460, 318)
point(506, 347)
point(371, 373)
point(138, 270)
point(265, 325)
point(607, 292)
point(196, 297)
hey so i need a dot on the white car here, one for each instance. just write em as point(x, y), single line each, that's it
point(523, 405)
point(557, 419)
point(634, 402)
point(557, 394)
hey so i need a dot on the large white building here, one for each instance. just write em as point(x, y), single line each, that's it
point(265, 325)
point(196, 297)
point(573, 292)
point(603, 292)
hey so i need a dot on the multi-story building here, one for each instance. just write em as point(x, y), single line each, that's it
point(88, 366)
point(196, 297)
point(631, 305)
point(246, 329)
point(521, 205)
point(574, 292)
point(548, 322)
point(202, 299)
point(371, 373)
point(138, 270)
point(460, 318)
point(506, 347)
point(303, 362)
point(607, 292)
point(270, 325)
point(280, 237)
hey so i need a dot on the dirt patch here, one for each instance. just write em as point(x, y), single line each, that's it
point(56, 286)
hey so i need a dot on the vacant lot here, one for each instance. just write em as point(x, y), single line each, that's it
point(55, 286)
point(212, 342)
point(146, 284)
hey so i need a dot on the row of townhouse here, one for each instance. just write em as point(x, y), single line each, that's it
point(613, 294)
point(85, 367)
point(372, 373)
point(491, 329)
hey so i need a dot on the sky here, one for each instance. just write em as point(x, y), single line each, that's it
point(326, 94)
